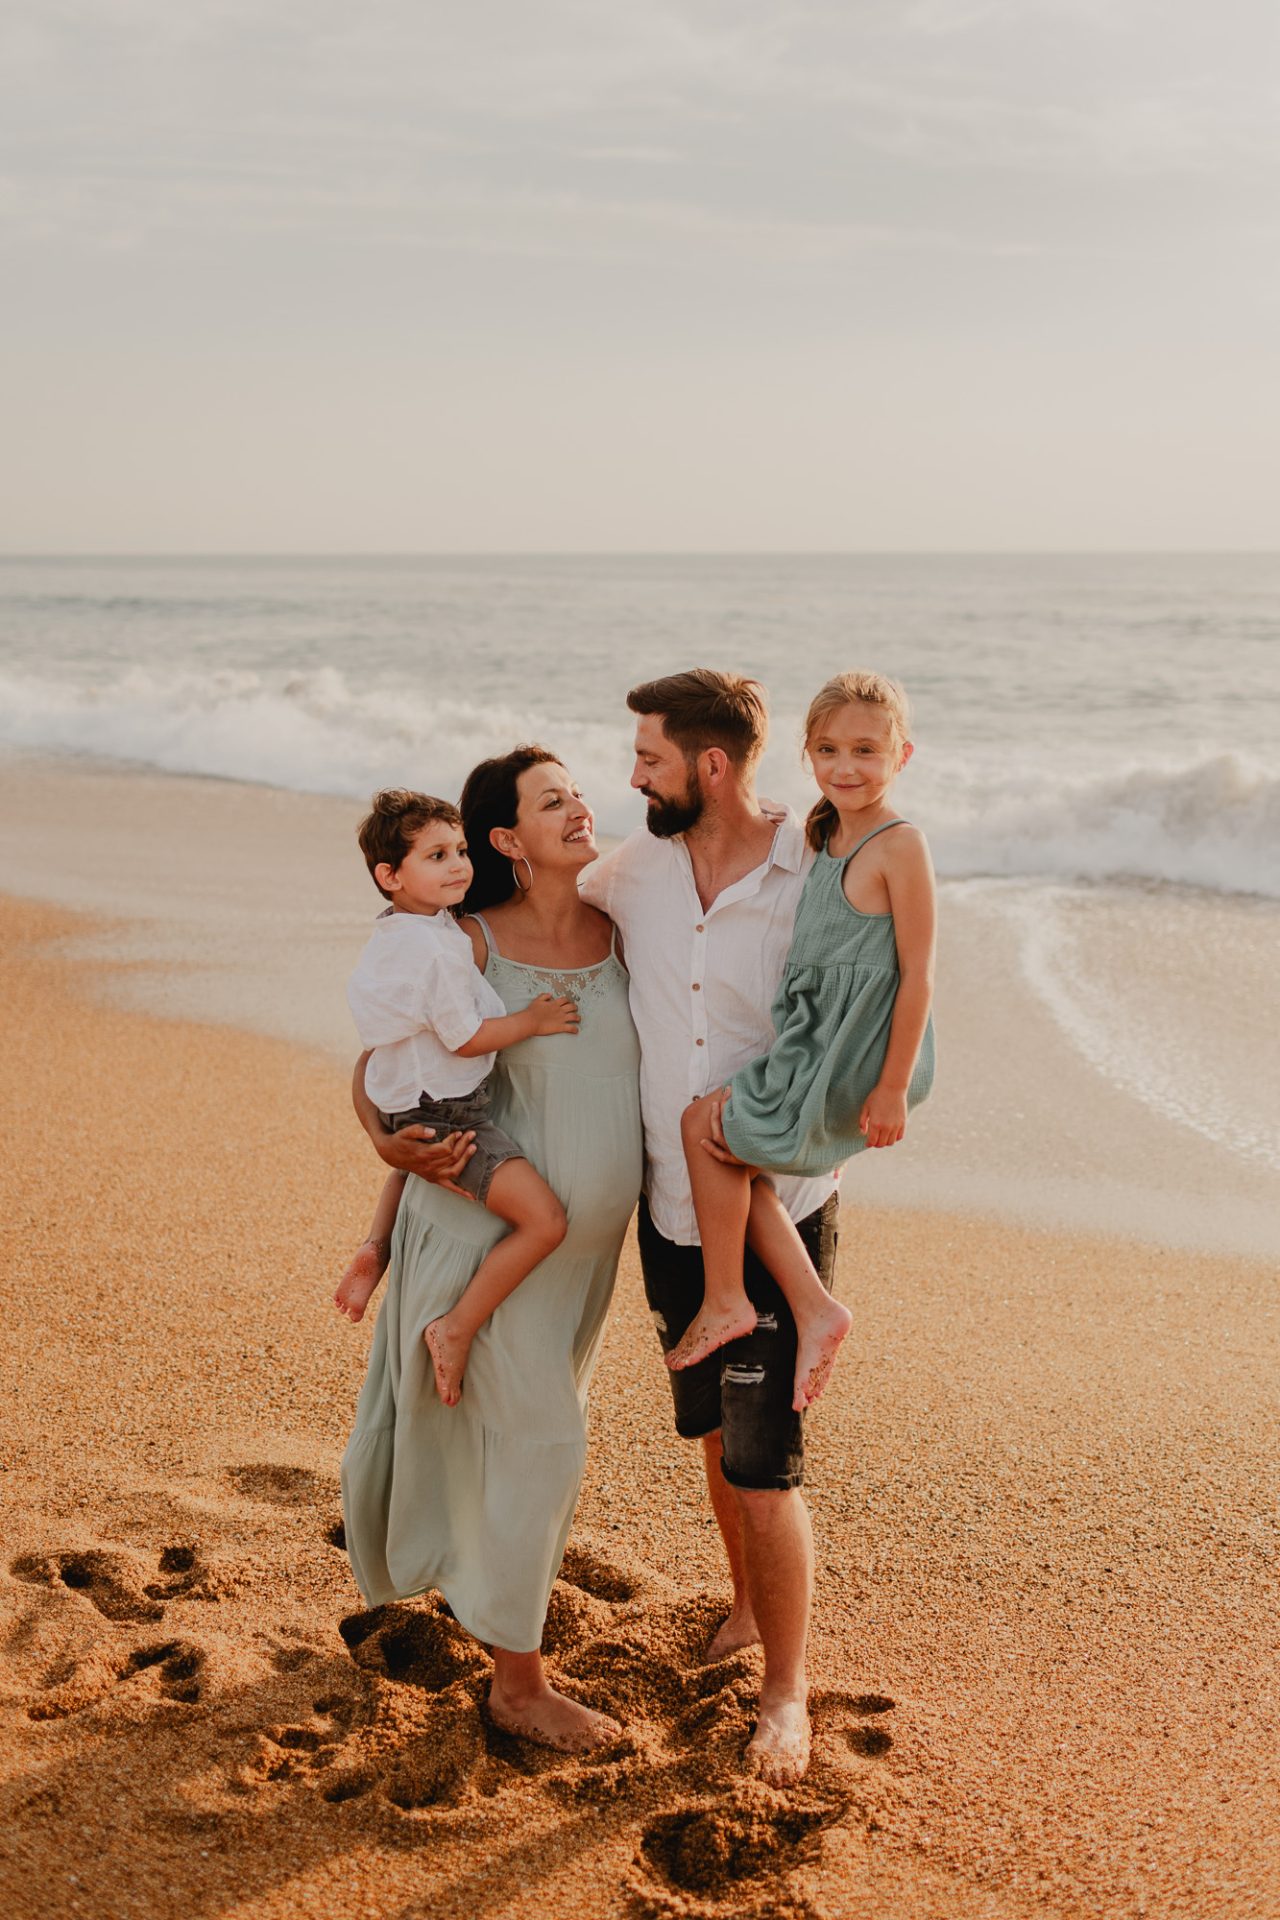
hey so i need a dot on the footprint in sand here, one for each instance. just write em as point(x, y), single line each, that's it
point(278, 1486)
point(115, 1583)
point(732, 1858)
point(174, 1670)
point(845, 1723)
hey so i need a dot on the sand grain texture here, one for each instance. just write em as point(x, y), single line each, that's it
point(1044, 1496)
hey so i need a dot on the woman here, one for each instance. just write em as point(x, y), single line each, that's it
point(477, 1499)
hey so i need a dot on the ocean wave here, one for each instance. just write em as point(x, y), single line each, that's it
point(1212, 822)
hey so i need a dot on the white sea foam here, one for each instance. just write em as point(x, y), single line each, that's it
point(1212, 822)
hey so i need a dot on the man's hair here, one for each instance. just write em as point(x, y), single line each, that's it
point(397, 818)
point(703, 708)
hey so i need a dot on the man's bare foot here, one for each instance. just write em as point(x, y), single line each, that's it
point(551, 1719)
point(778, 1751)
point(710, 1330)
point(819, 1343)
point(360, 1281)
point(738, 1631)
point(448, 1349)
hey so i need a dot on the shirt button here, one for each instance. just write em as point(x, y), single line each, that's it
point(700, 929)
point(699, 1043)
point(697, 986)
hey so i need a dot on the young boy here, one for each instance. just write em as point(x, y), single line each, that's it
point(434, 1025)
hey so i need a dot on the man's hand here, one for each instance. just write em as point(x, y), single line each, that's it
point(416, 1150)
point(717, 1146)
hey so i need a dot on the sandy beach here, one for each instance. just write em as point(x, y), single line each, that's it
point(1043, 1481)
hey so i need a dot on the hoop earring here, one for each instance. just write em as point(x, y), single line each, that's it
point(515, 874)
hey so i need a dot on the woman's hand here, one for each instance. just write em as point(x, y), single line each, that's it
point(884, 1117)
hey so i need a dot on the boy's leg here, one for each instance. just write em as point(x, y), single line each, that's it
point(721, 1199)
point(369, 1262)
point(821, 1322)
point(519, 1195)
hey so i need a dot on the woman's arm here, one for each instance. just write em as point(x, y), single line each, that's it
point(409, 1151)
point(912, 902)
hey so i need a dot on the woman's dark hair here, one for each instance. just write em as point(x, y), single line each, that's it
point(489, 800)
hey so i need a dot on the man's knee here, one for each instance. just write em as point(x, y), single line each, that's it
point(763, 1507)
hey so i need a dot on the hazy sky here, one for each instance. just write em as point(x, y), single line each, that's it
point(669, 274)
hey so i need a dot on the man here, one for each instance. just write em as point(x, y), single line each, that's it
point(705, 897)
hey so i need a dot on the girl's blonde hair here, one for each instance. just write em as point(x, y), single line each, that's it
point(847, 690)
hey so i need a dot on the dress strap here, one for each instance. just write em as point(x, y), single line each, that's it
point(490, 943)
point(861, 844)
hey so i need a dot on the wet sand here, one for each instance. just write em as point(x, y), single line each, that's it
point(1043, 1486)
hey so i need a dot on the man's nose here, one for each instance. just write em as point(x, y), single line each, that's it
point(637, 775)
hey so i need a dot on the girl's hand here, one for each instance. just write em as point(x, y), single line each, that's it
point(883, 1118)
point(551, 1015)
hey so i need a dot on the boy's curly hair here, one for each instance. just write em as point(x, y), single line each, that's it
point(396, 819)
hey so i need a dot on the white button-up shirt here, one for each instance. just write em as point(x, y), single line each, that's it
point(702, 983)
point(416, 996)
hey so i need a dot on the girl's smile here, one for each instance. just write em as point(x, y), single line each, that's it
point(856, 753)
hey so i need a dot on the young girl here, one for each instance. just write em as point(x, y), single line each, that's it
point(433, 1024)
point(854, 1048)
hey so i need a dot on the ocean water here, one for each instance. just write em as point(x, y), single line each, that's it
point(1080, 719)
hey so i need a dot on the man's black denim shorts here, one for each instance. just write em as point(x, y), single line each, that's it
point(744, 1390)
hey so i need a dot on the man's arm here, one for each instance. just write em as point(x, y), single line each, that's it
point(410, 1150)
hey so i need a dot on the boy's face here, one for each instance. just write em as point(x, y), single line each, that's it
point(435, 872)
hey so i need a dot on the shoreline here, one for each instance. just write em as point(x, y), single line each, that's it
point(1041, 1483)
point(1100, 1069)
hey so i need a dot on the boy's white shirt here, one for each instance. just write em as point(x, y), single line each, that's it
point(416, 996)
point(703, 981)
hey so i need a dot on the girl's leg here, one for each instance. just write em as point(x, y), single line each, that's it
point(521, 1197)
point(369, 1262)
point(523, 1701)
point(721, 1199)
point(821, 1322)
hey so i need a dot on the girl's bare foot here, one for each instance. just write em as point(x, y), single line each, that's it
point(448, 1349)
point(778, 1751)
point(713, 1328)
point(819, 1343)
point(360, 1281)
point(551, 1719)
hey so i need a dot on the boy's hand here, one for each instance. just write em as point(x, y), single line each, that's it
point(552, 1015)
point(883, 1118)
point(416, 1150)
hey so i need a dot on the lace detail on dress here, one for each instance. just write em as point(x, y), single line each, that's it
point(582, 984)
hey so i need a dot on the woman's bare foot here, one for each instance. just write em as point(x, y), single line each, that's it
point(551, 1719)
point(360, 1281)
point(778, 1751)
point(448, 1349)
point(714, 1327)
point(738, 1631)
point(819, 1343)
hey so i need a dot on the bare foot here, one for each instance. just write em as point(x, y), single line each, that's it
point(710, 1330)
point(778, 1751)
point(360, 1281)
point(551, 1719)
point(738, 1631)
point(448, 1350)
point(819, 1343)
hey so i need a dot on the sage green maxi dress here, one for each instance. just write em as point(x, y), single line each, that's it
point(476, 1500)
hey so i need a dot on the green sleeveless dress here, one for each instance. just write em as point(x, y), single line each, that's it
point(476, 1500)
point(795, 1109)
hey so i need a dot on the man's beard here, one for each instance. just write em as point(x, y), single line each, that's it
point(666, 818)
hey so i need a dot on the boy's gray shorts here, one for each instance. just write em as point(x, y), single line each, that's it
point(468, 1112)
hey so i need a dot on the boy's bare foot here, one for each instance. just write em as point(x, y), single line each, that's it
point(360, 1281)
point(710, 1330)
point(738, 1631)
point(448, 1350)
point(551, 1719)
point(819, 1343)
point(778, 1751)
